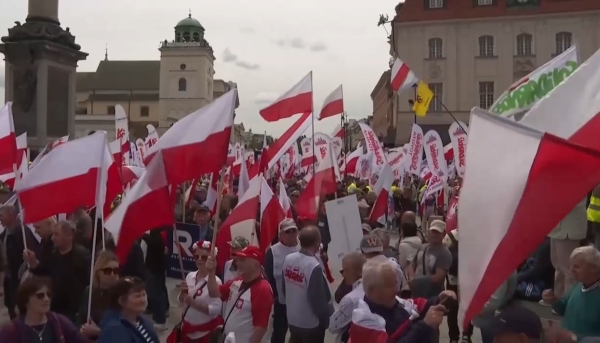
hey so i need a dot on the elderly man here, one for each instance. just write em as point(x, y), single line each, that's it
point(380, 285)
point(68, 266)
point(340, 320)
point(372, 248)
point(306, 291)
point(580, 307)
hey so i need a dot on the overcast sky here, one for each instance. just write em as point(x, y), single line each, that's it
point(266, 46)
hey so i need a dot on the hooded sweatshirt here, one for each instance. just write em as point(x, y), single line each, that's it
point(407, 249)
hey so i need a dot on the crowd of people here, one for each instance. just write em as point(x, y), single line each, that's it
point(56, 291)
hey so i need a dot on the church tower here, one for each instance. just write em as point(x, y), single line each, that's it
point(186, 73)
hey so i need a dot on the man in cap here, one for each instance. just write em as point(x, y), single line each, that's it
point(202, 219)
point(231, 270)
point(431, 263)
point(248, 299)
point(274, 257)
point(372, 248)
point(515, 324)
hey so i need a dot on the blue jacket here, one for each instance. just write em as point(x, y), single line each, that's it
point(114, 328)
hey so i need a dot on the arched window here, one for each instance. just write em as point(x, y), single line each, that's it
point(435, 48)
point(524, 44)
point(178, 37)
point(182, 84)
point(196, 37)
point(563, 41)
point(186, 36)
point(486, 46)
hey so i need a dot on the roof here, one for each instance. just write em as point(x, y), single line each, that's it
point(121, 75)
point(124, 97)
point(383, 80)
point(189, 22)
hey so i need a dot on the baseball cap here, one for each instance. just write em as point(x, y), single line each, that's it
point(239, 242)
point(202, 208)
point(371, 243)
point(287, 224)
point(518, 320)
point(438, 226)
point(250, 252)
point(366, 227)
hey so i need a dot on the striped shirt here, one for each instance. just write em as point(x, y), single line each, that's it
point(142, 330)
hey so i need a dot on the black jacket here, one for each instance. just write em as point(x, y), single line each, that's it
point(134, 265)
point(156, 260)
point(14, 249)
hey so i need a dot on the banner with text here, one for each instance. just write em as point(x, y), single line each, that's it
point(188, 234)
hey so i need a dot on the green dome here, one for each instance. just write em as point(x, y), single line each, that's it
point(189, 22)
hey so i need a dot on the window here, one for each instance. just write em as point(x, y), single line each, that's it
point(182, 84)
point(563, 41)
point(196, 37)
point(524, 43)
point(486, 94)
point(486, 46)
point(435, 48)
point(438, 91)
point(110, 110)
point(186, 36)
point(144, 111)
point(436, 3)
point(484, 2)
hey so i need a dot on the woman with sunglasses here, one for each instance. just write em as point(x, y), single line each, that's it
point(36, 323)
point(201, 315)
point(106, 273)
point(124, 321)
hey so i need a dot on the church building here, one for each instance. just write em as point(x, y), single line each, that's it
point(151, 92)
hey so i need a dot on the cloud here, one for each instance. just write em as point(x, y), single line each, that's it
point(297, 43)
point(247, 30)
point(317, 47)
point(228, 56)
point(265, 98)
point(246, 65)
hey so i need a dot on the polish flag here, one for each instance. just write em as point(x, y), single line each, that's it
point(131, 173)
point(352, 160)
point(521, 171)
point(402, 77)
point(321, 183)
point(298, 99)
point(212, 193)
point(146, 206)
point(190, 193)
point(116, 152)
point(283, 143)
point(8, 141)
point(244, 179)
point(271, 214)
point(22, 148)
point(333, 105)
point(198, 143)
point(383, 190)
point(338, 132)
point(61, 140)
point(284, 200)
point(122, 129)
point(76, 165)
point(576, 96)
point(240, 222)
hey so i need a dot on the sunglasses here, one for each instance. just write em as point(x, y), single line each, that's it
point(201, 257)
point(109, 271)
point(42, 295)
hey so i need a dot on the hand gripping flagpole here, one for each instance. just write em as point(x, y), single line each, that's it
point(217, 211)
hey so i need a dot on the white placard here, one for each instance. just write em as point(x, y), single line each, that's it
point(345, 228)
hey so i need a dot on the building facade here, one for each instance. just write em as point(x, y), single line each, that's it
point(151, 92)
point(382, 97)
point(471, 51)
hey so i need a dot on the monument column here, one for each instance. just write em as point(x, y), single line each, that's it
point(41, 62)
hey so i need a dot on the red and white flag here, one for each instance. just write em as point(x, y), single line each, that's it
point(146, 206)
point(271, 214)
point(383, 190)
point(374, 146)
point(131, 173)
point(284, 200)
point(198, 143)
point(122, 128)
point(321, 183)
point(212, 193)
point(299, 99)
point(22, 148)
point(338, 132)
point(8, 141)
point(352, 160)
point(76, 165)
point(244, 180)
point(333, 105)
point(519, 166)
point(402, 77)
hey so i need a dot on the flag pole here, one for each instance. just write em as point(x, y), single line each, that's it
point(448, 111)
point(217, 211)
point(313, 122)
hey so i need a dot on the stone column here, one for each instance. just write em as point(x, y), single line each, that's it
point(43, 9)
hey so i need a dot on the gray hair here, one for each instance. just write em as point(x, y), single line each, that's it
point(67, 225)
point(382, 235)
point(589, 254)
point(372, 273)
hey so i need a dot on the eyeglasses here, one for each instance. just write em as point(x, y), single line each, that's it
point(109, 271)
point(42, 295)
point(201, 257)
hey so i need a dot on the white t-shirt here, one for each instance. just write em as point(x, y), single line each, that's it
point(194, 316)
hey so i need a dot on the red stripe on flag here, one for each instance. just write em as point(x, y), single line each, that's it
point(400, 77)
